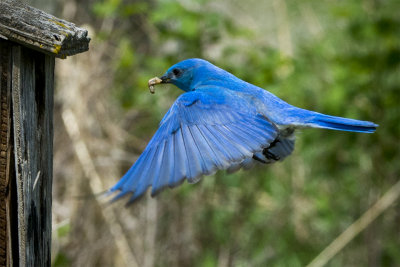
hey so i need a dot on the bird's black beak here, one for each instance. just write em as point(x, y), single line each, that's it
point(165, 79)
point(154, 81)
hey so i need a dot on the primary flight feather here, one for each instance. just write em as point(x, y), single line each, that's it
point(220, 122)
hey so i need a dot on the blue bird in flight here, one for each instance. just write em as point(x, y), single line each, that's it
point(220, 123)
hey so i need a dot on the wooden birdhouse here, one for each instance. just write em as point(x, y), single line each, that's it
point(30, 40)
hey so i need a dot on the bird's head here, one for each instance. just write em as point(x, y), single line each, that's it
point(188, 74)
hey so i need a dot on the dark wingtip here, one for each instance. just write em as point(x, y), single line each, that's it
point(134, 199)
point(169, 185)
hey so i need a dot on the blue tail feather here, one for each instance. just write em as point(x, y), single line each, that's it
point(342, 124)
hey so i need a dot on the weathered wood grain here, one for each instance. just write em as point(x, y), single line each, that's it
point(38, 30)
point(26, 97)
point(29, 42)
point(5, 146)
point(32, 101)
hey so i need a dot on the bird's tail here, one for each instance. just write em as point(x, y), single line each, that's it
point(318, 120)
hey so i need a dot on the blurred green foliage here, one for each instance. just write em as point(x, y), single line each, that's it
point(283, 214)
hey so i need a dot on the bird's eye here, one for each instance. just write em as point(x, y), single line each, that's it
point(176, 72)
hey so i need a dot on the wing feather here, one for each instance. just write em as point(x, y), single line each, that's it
point(221, 157)
point(209, 165)
point(163, 172)
point(233, 151)
point(147, 177)
point(205, 130)
point(180, 159)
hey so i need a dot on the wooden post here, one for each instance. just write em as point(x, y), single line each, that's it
point(30, 40)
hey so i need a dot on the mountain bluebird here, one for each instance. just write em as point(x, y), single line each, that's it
point(220, 122)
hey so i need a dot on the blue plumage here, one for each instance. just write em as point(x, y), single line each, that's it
point(220, 122)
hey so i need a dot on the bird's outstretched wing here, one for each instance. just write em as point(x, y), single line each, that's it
point(204, 131)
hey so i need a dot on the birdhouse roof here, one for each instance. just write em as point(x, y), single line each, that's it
point(38, 30)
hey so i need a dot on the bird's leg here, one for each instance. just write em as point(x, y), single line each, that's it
point(273, 143)
point(268, 154)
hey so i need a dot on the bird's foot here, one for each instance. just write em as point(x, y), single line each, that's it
point(269, 155)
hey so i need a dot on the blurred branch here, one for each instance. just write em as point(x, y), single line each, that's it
point(223, 257)
point(353, 230)
point(96, 185)
point(283, 27)
point(311, 19)
point(151, 229)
